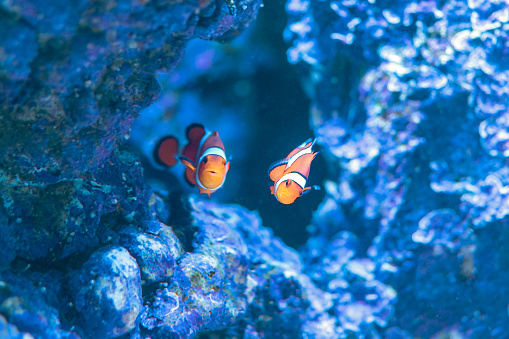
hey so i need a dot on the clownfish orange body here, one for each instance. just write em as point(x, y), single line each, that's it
point(291, 173)
point(204, 157)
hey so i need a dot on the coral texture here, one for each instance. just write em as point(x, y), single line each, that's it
point(409, 98)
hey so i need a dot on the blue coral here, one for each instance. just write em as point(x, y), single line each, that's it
point(229, 245)
point(30, 305)
point(414, 111)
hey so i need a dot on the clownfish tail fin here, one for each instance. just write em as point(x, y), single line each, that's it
point(166, 151)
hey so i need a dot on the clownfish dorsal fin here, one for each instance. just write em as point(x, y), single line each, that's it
point(166, 150)
point(195, 132)
point(277, 169)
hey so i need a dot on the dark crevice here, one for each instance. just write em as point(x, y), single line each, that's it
point(181, 220)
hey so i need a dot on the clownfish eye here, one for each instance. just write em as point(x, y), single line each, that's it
point(204, 160)
point(287, 182)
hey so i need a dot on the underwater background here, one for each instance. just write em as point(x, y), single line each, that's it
point(407, 238)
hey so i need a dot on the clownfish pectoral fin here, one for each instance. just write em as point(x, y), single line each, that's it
point(227, 165)
point(272, 189)
point(195, 132)
point(188, 163)
point(190, 172)
point(308, 189)
point(186, 178)
point(277, 169)
point(166, 150)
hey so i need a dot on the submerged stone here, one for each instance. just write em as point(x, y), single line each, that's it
point(107, 293)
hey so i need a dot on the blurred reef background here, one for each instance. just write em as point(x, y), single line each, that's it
point(408, 238)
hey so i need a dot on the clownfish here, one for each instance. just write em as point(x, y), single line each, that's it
point(204, 157)
point(291, 173)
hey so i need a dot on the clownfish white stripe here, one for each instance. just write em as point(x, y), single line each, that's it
point(296, 177)
point(300, 153)
point(214, 151)
point(198, 182)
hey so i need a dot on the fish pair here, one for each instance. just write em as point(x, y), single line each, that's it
point(206, 164)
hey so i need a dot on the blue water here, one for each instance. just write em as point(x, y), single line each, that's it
point(250, 94)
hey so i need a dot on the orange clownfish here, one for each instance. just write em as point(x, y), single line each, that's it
point(291, 173)
point(204, 157)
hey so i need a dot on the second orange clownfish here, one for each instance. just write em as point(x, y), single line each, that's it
point(291, 173)
point(204, 156)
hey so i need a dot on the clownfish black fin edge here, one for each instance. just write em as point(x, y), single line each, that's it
point(307, 142)
point(276, 164)
point(155, 152)
point(182, 157)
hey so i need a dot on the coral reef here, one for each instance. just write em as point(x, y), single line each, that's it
point(237, 272)
point(408, 97)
